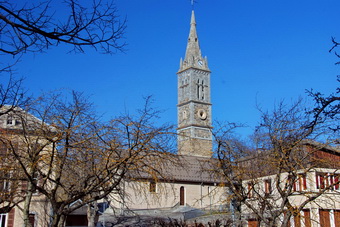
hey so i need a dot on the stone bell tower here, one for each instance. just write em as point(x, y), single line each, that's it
point(194, 107)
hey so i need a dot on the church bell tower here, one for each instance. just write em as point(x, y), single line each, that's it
point(194, 107)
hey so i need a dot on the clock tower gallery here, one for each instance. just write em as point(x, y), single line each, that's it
point(194, 107)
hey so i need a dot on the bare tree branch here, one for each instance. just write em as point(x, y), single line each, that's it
point(34, 28)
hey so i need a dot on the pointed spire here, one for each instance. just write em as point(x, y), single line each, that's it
point(193, 20)
point(193, 48)
point(193, 56)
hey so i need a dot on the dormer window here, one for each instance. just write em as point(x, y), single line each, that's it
point(10, 120)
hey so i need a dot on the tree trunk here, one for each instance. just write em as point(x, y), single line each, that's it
point(92, 209)
point(28, 199)
point(62, 221)
point(286, 220)
point(56, 218)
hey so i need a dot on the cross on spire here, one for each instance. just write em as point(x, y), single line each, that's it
point(193, 2)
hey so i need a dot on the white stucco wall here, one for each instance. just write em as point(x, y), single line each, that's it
point(167, 195)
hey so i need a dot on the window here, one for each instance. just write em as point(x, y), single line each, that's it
point(200, 89)
point(152, 187)
point(335, 181)
point(324, 180)
point(328, 218)
point(181, 196)
point(289, 182)
point(268, 187)
point(6, 150)
point(3, 149)
point(289, 223)
point(3, 220)
point(320, 180)
point(324, 218)
point(36, 179)
point(297, 220)
point(32, 219)
point(337, 218)
point(5, 181)
point(253, 223)
point(10, 120)
point(251, 192)
point(301, 183)
point(306, 218)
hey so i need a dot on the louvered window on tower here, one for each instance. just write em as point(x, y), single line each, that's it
point(202, 92)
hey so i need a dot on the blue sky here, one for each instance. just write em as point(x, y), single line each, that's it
point(259, 52)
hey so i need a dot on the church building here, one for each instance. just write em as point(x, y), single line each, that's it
point(188, 184)
point(192, 183)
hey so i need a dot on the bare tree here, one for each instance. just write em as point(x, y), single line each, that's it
point(265, 178)
point(326, 107)
point(270, 181)
point(336, 44)
point(12, 93)
point(34, 27)
point(10, 175)
point(79, 160)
